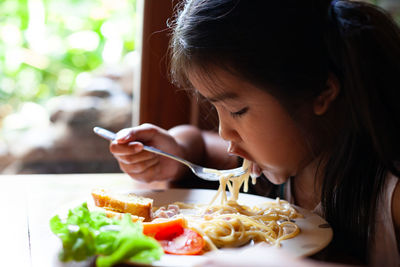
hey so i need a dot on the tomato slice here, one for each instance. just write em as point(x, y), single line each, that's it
point(188, 243)
point(164, 229)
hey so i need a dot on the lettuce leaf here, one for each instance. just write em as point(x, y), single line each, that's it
point(84, 234)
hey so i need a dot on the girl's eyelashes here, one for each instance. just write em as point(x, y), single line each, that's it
point(240, 112)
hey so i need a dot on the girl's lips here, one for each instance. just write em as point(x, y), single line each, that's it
point(255, 170)
point(235, 150)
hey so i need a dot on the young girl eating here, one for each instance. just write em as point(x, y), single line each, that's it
point(308, 92)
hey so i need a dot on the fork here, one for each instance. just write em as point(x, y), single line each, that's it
point(202, 172)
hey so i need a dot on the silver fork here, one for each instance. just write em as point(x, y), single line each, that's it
point(202, 172)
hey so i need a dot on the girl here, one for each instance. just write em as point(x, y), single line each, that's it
point(308, 92)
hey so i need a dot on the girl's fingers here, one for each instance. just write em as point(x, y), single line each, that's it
point(139, 167)
point(125, 135)
point(145, 133)
point(136, 158)
point(125, 149)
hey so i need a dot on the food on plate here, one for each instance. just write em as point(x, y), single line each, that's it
point(126, 227)
point(123, 203)
point(166, 226)
point(87, 233)
point(120, 215)
point(188, 243)
point(228, 224)
point(174, 236)
point(162, 229)
point(234, 225)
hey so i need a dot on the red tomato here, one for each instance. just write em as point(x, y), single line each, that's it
point(164, 229)
point(188, 243)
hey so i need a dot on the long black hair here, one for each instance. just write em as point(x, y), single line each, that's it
point(295, 46)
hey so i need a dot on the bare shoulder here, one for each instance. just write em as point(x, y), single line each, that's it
point(396, 209)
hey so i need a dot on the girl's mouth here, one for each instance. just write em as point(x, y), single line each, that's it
point(237, 151)
point(255, 170)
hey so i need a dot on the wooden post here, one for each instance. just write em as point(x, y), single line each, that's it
point(160, 102)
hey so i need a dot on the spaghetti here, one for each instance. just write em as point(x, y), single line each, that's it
point(230, 224)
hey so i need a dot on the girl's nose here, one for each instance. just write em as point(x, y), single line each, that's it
point(228, 133)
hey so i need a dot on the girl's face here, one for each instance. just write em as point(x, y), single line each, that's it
point(256, 125)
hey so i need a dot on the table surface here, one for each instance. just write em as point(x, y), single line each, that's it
point(29, 201)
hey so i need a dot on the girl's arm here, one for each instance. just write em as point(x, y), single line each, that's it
point(205, 148)
point(396, 211)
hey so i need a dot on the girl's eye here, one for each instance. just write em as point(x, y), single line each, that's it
point(240, 112)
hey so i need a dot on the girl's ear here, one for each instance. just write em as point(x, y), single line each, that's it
point(325, 99)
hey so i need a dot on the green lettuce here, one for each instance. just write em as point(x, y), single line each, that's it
point(87, 233)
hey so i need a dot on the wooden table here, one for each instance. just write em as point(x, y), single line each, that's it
point(29, 201)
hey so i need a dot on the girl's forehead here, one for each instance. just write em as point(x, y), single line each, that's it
point(213, 81)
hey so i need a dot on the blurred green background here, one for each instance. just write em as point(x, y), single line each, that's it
point(47, 47)
point(59, 60)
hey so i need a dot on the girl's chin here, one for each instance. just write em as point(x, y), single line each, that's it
point(276, 178)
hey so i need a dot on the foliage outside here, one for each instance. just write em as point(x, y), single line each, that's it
point(48, 47)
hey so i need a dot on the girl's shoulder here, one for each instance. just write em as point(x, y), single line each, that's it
point(396, 209)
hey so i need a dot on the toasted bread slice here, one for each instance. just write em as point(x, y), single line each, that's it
point(125, 203)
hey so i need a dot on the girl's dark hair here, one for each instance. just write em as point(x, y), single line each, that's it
point(292, 47)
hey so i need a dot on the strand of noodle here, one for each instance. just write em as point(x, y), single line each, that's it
point(225, 183)
point(246, 185)
point(236, 187)
point(242, 230)
point(229, 184)
point(278, 241)
point(218, 193)
point(292, 234)
point(280, 231)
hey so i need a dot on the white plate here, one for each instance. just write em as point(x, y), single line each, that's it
point(315, 232)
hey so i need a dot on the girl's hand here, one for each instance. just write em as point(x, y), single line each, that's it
point(143, 165)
